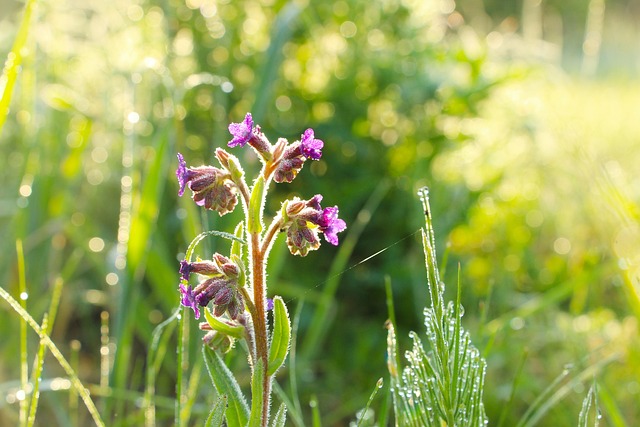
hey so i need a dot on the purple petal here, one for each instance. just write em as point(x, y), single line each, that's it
point(314, 202)
point(331, 225)
point(189, 299)
point(185, 269)
point(242, 132)
point(269, 304)
point(311, 147)
point(182, 174)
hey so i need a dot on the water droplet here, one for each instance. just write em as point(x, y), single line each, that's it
point(24, 296)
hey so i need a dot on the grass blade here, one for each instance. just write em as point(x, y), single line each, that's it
point(590, 398)
point(154, 357)
point(371, 397)
point(47, 326)
point(614, 414)
point(183, 363)
point(82, 391)
point(12, 65)
point(24, 368)
point(548, 399)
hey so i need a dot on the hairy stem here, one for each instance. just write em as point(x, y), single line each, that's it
point(259, 319)
point(270, 235)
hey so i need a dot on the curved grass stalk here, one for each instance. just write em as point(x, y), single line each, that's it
point(557, 391)
point(24, 367)
point(379, 384)
point(77, 384)
point(47, 325)
point(154, 357)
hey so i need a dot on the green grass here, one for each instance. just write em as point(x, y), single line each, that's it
point(532, 174)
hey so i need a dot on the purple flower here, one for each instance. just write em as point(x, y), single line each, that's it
point(219, 286)
point(189, 299)
point(311, 148)
point(270, 304)
point(305, 219)
point(242, 132)
point(288, 168)
point(212, 187)
point(301, 238)
point(330, 225)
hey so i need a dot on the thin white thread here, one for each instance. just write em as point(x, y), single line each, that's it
point(353, 266)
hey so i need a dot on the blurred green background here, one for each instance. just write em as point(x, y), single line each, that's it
point(522, 118)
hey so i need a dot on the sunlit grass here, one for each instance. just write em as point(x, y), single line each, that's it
point(534, 180)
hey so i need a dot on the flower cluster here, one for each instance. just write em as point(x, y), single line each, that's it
point(212, 187)
point(303, 220)
point(220, 188)
point(221, 284)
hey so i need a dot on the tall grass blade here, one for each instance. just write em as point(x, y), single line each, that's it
point(37, 371)
point(590, 399)
point(282, 30)
point(139, 236)
point(183, 364)
point(12, 64)
point(77, 385)
point(443, 386)
point(24, 367)
point(614, 414)
point(47, 326)
point(191, 392)
point(559, 390)
point(157, 349)
point(516, 380)
point(363, 413)
point(315, 412)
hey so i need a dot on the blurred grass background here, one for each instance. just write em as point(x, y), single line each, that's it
point(522, 117)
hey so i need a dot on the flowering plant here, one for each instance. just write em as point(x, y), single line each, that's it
point(235, 286)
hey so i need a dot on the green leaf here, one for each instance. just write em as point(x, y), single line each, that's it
point(236, 249)
point(255, 206)
point(281, 416)
point(281, 336)
point(225, 328)
point(237, 412)
point(257, 398)
point(216, 416)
